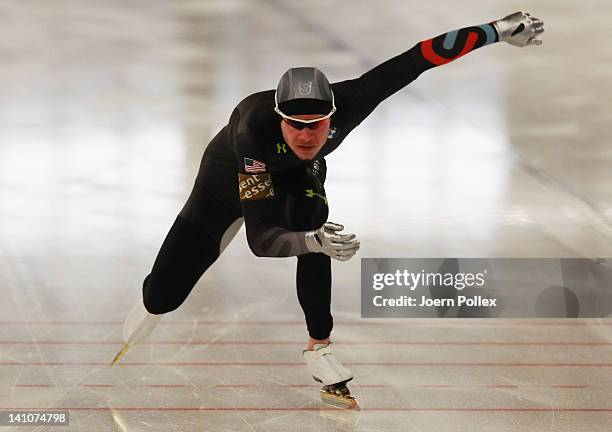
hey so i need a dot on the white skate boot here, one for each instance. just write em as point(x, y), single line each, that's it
point(137, 326)
point(326, 369)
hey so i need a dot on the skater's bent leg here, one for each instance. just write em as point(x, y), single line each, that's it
point(314, 295)
point(199, 234)
point(203, 228)
point(184, 256)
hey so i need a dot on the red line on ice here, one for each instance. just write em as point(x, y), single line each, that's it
point(387, 364)
point(398, 343)
point(431, 322)
point(501, 409)
point(441, 386)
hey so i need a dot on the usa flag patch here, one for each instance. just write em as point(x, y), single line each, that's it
point(254, 166)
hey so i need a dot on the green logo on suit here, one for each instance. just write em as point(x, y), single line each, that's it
point(311, 194)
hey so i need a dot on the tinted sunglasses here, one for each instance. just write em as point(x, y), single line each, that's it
point(301, 125)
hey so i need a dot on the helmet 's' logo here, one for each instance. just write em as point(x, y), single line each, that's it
point(305, 88)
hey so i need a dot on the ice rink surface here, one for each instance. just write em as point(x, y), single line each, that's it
point(105, 110)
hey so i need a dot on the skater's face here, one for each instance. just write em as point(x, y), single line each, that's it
point(307, 141)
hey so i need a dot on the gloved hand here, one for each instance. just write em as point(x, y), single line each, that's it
point(329, 241)
point(519, 29)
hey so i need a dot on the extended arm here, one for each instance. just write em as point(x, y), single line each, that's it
point(362, 95)
point(269, 240)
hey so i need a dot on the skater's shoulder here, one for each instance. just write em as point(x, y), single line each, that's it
point(256, 104)
point(256, 114)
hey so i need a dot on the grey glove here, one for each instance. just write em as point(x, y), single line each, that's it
point(520, 29)
point(329, 241)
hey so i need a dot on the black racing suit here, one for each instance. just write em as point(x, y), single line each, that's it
point(249, 171)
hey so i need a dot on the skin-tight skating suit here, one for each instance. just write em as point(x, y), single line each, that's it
point(249, 173)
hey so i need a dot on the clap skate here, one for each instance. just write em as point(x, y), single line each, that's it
point(326, 369)
point(137, 326)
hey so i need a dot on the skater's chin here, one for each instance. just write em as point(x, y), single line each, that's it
point(306, 152)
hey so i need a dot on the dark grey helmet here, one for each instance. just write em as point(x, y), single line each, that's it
point(304, 90)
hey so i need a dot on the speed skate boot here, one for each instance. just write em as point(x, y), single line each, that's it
point(326, 369)
point(137, 326)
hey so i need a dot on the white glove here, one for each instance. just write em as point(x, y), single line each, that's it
point(327, 240)
point(520, 29)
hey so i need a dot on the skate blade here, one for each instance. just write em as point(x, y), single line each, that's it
point(346, 402)
point(120, 354)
